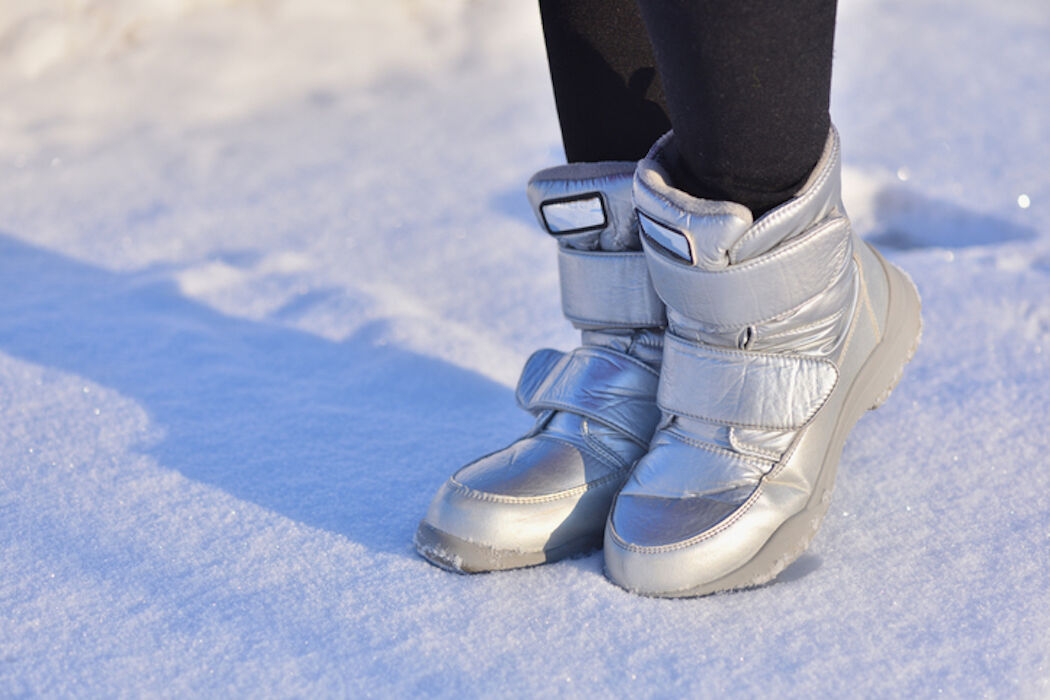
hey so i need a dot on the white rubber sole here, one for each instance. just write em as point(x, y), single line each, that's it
point(464, 557)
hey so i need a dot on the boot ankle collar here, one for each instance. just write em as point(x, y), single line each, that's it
point(713, 235)
point(711, 263)
point(699, 232)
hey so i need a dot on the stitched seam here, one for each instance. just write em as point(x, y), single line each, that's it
point(714, 448)
point(840, 257)
point(710, 349)
point(622, 426)
point(561, 495)
point(696, 539)
point(802, 243)
point(596, 254)
point(763, 224)
point(631, 322)
point(611, 458)
point(602, 352)
point(867, 299)
point(733, 424)
point(743, 446)
point(826, 320)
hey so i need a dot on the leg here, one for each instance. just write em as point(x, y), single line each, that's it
point(609, 99)
point(747, 85)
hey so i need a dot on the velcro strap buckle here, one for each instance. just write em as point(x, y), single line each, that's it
point(608, 290)
point(756, 290)
point(604, 385)
point(742, 388)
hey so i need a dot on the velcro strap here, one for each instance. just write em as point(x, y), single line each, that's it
point(760, 289)
point(742, 388)
point(604, 385)
point(608, 290)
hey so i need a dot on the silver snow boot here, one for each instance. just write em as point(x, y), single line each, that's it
point(781, 333)
point(547, 495)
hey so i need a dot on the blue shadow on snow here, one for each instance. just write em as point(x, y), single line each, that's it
point(344, 436)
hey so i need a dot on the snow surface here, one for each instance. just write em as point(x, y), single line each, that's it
point(267, 276)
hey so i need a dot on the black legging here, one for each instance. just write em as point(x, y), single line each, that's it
point(744, 83)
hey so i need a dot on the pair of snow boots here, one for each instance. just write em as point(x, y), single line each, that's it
point(697, 429)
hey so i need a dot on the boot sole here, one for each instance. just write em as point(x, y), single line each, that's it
point(464, 557)
point(875, 381)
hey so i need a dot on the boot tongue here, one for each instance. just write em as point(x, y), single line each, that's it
point(587, 206)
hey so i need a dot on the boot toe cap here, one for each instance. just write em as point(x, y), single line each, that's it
point(653, 521)
point(532, 502)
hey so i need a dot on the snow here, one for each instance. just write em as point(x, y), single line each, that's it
point(267, 276)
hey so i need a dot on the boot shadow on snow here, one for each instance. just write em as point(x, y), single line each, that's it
point(906, 220)
point(345, 436)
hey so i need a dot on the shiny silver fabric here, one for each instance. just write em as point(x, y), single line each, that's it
point(604, 385)
point(759, 290)
point(608, 290)
point(728, 279)
point(587, 185)
point(781, 332)
point(547, 495)
point(743, 388)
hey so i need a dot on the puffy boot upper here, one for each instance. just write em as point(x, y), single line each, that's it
point(769, 323)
